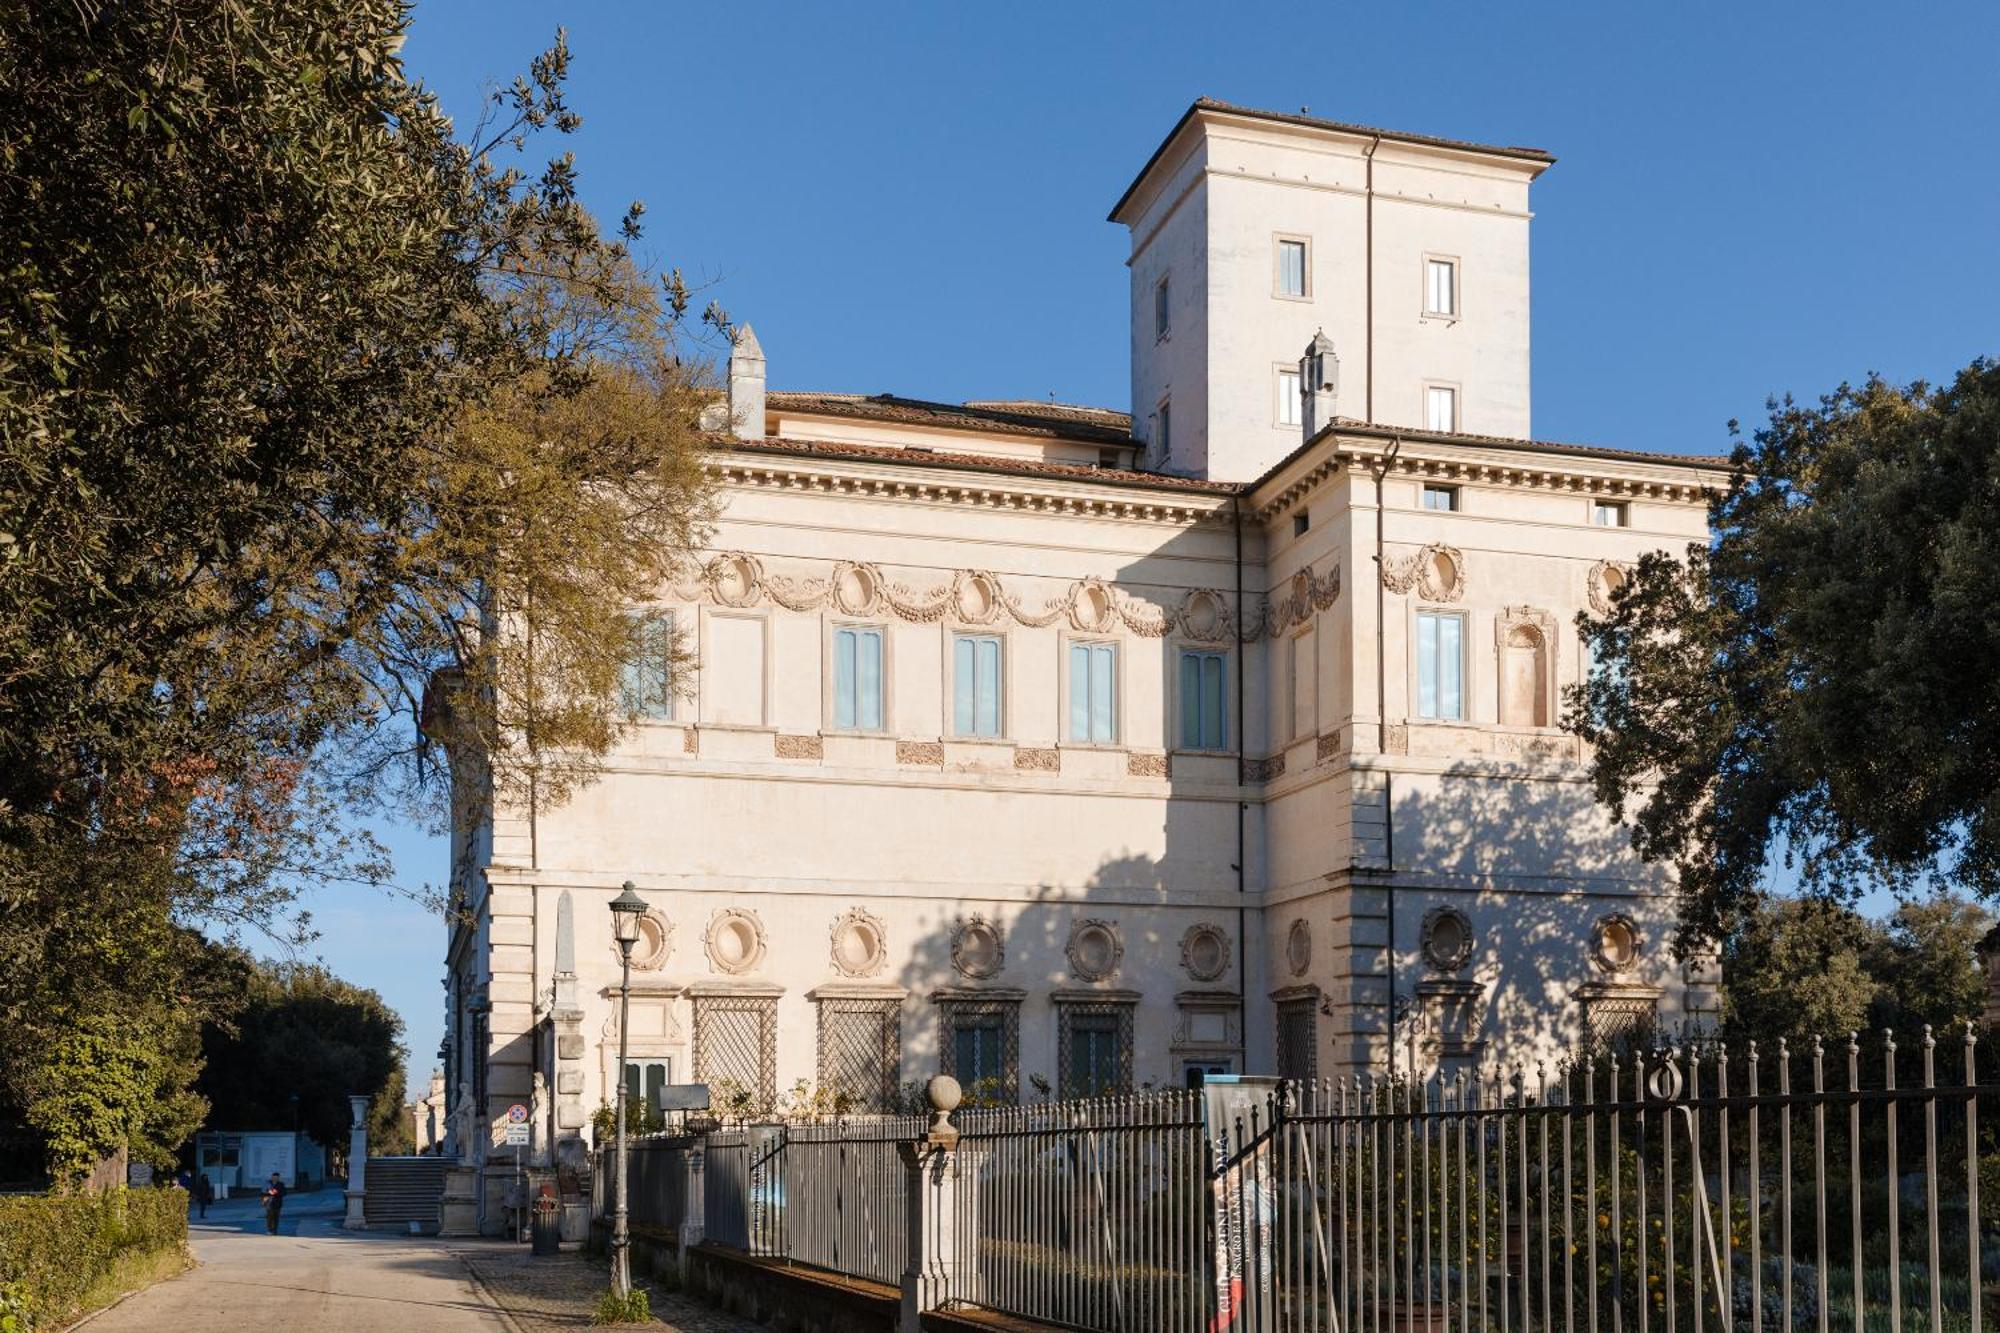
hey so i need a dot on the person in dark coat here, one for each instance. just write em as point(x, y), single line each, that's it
point(204, 1193)
point(274, 1203)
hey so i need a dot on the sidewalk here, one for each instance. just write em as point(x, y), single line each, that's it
point(561, 1291)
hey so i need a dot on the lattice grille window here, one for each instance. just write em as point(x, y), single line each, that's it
point(736, 1046)
point(979, 1044)
point(1094, 1049)
point(860, 1052)
point(1298, 1050)
point(1620, 1022)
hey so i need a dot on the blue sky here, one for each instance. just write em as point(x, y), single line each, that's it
point(1751, 198)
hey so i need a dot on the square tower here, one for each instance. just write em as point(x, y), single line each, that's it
point(1253, 231)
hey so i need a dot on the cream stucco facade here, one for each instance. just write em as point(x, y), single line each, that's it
point(1021, 748)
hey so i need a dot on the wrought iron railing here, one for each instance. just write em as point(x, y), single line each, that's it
point(1702, 1189)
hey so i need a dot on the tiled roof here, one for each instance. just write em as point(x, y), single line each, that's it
point(1089, 425)
point(1020, 467)
point(1200, 104)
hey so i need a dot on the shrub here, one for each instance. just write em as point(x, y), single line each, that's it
point(55, 1247)
point(632, 1308)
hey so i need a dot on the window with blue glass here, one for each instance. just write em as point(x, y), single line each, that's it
point(645, 687)
point(857, 678)
point(975, 685)
point(1440, 665)
point(1204, 691)
point(1093, 693)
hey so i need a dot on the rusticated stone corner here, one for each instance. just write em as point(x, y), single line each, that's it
point(798, 747)
point(920, 754)
point(1146, 765)
point(1037, 760)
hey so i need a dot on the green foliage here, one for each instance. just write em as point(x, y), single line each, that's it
point(301, 1031)
point(54, 1248)
point(1819, 680)
point(300, 394)
point(631, 1308)
point(1795, 967)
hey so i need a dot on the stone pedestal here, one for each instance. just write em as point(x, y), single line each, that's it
point(357, 1164)
point(458, 1211)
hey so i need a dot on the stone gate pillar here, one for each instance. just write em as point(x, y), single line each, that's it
point(931, 1179)
point(357, 1164)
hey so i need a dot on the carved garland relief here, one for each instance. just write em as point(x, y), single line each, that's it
point(1436, 571)
point(980, 597)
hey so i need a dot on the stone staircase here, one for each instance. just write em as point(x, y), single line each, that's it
point(402, 1190)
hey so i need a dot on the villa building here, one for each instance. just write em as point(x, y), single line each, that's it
point(1073, 751)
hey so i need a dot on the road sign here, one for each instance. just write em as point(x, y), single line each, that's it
point(518, 1114)
point(518, 1136)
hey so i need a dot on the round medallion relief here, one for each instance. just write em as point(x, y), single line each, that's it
point(735, 940)
point(655, 944)
point(1094, 950)
point(1446, 938)
point(1299, 947)
point(976, 949)
point(856, 588)
point(1201, 615)
point(1091, 610)
point(735, 579)
point(859, 945)
point(1616, 943)
point(1205, 951)
point(978, 597)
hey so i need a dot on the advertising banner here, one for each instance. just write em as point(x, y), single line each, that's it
point(1238, 1112)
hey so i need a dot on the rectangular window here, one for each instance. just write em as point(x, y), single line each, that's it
point(1166, 419)
point(979, 1044)
point(643, 1081)
point(1443, 498)
point(976, 1051)
point(1440, 408)
point(736, 1043)
point(857, 678)
point(860, 1052)
point(1093, 693)
point(1607, 513)
point(645, 689)
point(1161, 303)
point(975, 685)
point(1289, 407)
point(1204, 696)
point(1297, 1042)
point(1291, 268)
point(1095, 1055)
point(1440, 287)
point(1440, 664)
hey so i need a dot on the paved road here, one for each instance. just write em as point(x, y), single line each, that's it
point(311, 1276)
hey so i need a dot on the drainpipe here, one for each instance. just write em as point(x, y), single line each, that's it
point(1368, 255)
point(1381, 470)
point(1242, 806)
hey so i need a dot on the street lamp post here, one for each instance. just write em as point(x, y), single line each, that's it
point(626, 909)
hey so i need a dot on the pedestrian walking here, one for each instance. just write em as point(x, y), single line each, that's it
point(274, 1203)
point(204, 1194)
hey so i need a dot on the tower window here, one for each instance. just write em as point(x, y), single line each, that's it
point(1440, 287)
point(1441, 408)
point(1288, 397)
point(1161, 303)
point(1292, 268)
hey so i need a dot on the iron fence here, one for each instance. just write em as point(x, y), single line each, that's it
point(1686, 1189)
point(1088, 1213)
point(656, 1193)
point(1701, 1189)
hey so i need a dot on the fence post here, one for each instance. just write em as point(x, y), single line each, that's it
point(694, 1204)
point(930, 1174)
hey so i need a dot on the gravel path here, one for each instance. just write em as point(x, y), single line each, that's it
point(561, 1291)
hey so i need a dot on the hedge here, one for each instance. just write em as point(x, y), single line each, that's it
point(55, 1247)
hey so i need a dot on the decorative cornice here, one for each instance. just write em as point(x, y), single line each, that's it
point(977, 490)
point(1089, 605)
